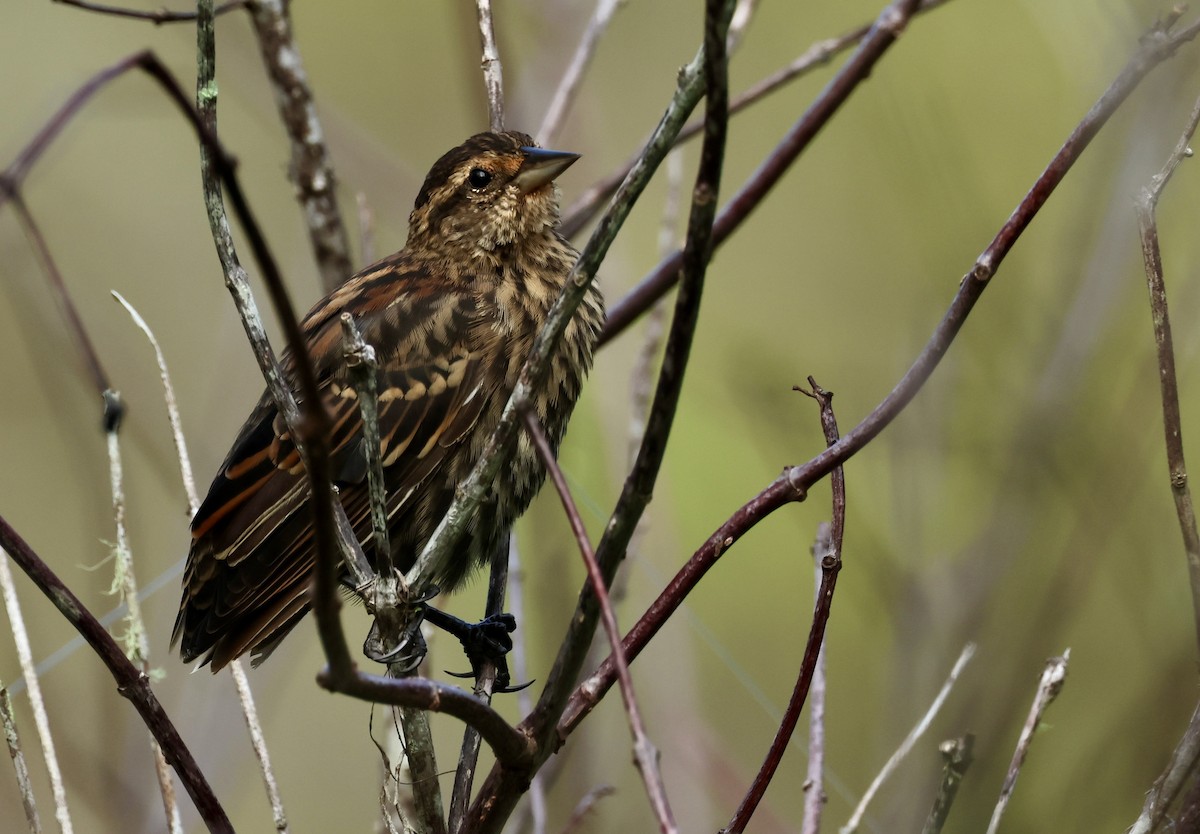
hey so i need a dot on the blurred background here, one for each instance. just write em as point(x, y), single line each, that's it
point(1021, 502)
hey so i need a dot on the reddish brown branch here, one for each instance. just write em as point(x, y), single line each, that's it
point(156, 17)
point(644, 752)
point(131, 682)
point(831, 565)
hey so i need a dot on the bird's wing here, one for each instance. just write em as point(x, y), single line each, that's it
point(248, 569)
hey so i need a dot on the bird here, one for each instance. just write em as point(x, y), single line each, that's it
point(451, 317)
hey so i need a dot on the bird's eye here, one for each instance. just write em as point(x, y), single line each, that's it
point(479, 178)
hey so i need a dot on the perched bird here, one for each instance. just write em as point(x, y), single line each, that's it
point(451, 318)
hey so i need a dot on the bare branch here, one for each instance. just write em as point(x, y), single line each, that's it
point(1157, 46)
point(1049, 685)
point(13, 741)
point(181, 452)
point(645, 754)
point(957, 756)
point(569, 84)
point(311, 170)
point(83, 342)
point(1168, 787)
point(493, 72)
point(887, 29)
point(1146, 206)
point(259, 743)
point(422, 763)
point(905, 746)
point(156, 17)
point(37, 703)
point(245, 696)
point(814, 777)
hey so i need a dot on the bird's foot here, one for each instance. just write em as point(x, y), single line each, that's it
point(487, 641)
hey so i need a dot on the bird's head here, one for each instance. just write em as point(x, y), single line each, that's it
point(493, 190)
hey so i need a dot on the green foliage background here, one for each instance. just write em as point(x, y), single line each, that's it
point(1021, 502)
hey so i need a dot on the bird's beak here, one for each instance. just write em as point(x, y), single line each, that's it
point(541, 167)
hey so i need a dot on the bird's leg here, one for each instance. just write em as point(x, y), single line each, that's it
point(395, 635)
point(487, 640)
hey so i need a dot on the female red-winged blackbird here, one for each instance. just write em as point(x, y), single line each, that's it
point(451, 317)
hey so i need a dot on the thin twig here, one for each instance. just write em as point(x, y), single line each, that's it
point(568, 85)
point(259, 743)
point(363, 367)
point(645, 754)
point(520, 670)
point(36, 702)
point(156, 17)
point(737, 24)
point(485, 682)
point(1049, 685)
point(814, 776)
point(137, 644)
point(311, 170)
point(181, 452)
point(12, 741)
point(579, 213)
point(1167, 788)
point(956, 754)
point(830, 565)
point(74, 324)
point(905, 746)
point(493, 72)
point(1145, 207)
point(245, 695)
point(332, 533)
point(585, 807)
point(426, 791)
point(793, 484)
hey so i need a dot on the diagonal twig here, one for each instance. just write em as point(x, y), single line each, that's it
point(1054, 675)
point(131, 683)
point(12, 741)
point(564, 96)
point(41, 721)
point(956, 754)
point(645, 754)
point(906, 746)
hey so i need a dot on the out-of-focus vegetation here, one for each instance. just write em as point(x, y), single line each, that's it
point(1021, 502)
